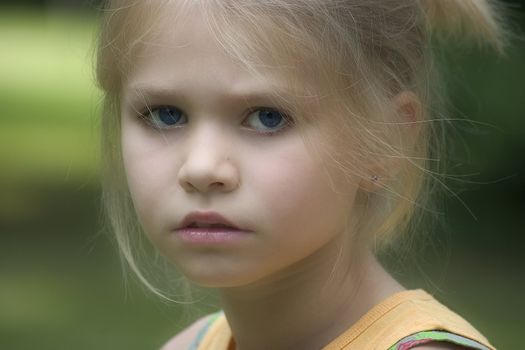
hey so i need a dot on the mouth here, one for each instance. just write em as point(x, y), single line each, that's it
point(212, 235)
point(207, 225)
point(207, 220)
point(210, 228)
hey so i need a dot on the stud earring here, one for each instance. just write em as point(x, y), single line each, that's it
point(374, 178)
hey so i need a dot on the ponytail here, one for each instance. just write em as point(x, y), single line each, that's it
point(480, 20)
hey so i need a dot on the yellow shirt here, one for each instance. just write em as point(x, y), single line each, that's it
point(401, 315)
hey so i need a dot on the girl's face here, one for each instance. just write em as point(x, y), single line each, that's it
point(205, 148)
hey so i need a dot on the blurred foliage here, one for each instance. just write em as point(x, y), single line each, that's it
point(60, 281)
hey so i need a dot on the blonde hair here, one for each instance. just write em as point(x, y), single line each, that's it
point(361, 53)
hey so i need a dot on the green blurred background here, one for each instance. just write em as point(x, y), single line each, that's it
point(61, 285)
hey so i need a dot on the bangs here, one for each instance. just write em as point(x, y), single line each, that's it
point(268, 43)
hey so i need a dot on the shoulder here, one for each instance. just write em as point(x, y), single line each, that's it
point(184, 339)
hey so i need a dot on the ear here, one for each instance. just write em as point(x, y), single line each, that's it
point(407, 113)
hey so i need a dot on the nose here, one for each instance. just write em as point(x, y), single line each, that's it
point(208, 166)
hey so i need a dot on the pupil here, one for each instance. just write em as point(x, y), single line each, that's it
point(168, 116)
point(270, 118)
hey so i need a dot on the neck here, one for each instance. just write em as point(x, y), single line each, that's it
point(306, 307)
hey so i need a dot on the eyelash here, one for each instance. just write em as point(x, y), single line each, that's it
point(288, 121)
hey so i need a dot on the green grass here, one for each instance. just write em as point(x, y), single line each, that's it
point(48, 97)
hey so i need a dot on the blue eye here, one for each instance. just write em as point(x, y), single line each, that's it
point(265, 120)
point(269, 119)
point(164, 117)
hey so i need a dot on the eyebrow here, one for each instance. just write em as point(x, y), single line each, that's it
point(153, 91)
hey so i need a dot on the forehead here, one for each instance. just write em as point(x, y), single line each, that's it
point(181, 47)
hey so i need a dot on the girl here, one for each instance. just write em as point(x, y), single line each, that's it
point(270, 150)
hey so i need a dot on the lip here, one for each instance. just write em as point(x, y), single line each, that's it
point(207, 217)
point(211, 235)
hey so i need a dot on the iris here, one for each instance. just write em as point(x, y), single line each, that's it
point(270, 118)
point(167, 115)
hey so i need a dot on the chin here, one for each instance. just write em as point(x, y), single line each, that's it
point(214, 278)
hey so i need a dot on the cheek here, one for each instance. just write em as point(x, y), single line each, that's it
point(148, 171)
point(297, 196)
